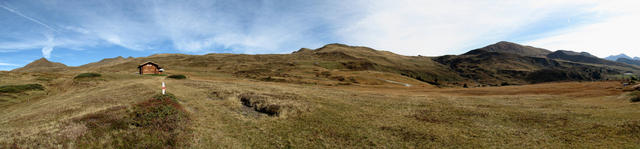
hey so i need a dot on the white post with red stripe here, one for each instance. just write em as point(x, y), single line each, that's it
point(163, 88)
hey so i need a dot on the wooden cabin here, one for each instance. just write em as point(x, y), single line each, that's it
point(149, 68)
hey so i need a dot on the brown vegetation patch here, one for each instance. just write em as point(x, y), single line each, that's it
point(406, 134)
point(160, 122)
point(573, 89)
point(272, 104)
point(447, 116)
point(635, 96)
point(220, 95)
point(631, 128)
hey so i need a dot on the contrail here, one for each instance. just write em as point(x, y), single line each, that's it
point(27, 17)
point(7, 64)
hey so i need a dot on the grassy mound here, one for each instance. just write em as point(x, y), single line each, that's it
point(87, 75)
point(177, 76)
point(160, 122)
point(20, 88)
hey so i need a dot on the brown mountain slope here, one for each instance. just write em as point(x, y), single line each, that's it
point(338, 64)
point(333, 64)
point(499, 64)
point(495, 68)
point(42, 65)
point(512, 48)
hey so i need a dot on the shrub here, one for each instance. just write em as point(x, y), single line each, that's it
point(635, 96)
point(87, 75)
point(177, 76)
point(20, 88)
point(160, 122)
point(163, 112)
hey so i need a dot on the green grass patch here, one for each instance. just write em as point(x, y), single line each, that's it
point(177, 76)
point(87, 75)
point(20, 88)
point(155, 74)
point(160, 122)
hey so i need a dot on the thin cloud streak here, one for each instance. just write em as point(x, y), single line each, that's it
point(8, 64)
point(401, 26)
point(27, 17)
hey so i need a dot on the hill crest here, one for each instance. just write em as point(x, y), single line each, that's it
point(42, 65)
point(512, 48)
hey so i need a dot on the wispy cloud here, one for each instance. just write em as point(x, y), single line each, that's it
point(616, 33)
point(430, 27)
point(7, 64)
point(46, 50)
point(27, 17)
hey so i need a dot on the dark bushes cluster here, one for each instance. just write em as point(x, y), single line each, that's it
point(20, 88)
point(177, 76)
point(635, 96)
point(87, 75)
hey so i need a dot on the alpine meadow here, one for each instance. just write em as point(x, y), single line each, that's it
point(319, 74)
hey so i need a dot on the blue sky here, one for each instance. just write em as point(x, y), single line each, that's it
point(77, 32)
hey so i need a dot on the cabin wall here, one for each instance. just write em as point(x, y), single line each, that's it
point(149, 69)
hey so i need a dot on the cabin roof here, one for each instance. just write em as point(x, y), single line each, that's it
point(149, 62)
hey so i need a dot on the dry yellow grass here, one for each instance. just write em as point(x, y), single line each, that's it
point(552, 115)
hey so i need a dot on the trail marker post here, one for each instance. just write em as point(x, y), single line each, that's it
point(163, 88)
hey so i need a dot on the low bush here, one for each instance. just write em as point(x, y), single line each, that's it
point(20, 88)
point(635, 96)
point(160, 122)
point(163, 112)
point(87, 75)
point(177, 76)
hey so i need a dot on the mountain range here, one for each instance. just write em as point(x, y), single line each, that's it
point(502, 63)
point(616, 57)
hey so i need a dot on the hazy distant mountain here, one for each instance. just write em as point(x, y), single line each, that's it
point(616, 57)
point(629, 61)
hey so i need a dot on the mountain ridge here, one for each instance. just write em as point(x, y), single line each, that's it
point(513, 48)
point(497, 64)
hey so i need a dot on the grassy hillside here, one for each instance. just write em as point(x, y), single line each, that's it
point(336, 96)
point(231, 112)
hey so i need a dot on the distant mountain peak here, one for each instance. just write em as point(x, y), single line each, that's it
point(41, 60)
point(42, 65)
point(512, 48)
point(629, 61)
point(616, 57)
